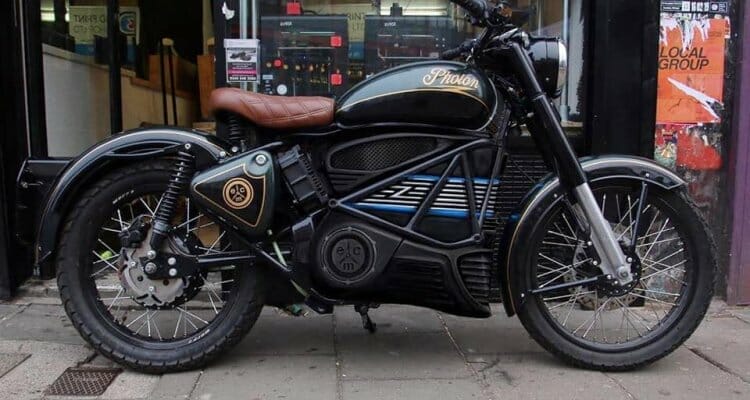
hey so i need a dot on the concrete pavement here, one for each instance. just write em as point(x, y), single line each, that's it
point(416, 354)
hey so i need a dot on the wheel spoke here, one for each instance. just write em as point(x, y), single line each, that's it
point(143, 314)
point(643, 225)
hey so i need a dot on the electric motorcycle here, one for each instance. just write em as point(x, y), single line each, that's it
point(168, 242)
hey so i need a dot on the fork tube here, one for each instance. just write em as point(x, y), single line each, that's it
point(567, 167)
point(550, 131)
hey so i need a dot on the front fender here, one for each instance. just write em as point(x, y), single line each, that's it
point(536, 202)
point(102, 157)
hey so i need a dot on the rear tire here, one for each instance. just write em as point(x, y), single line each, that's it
point(595, 350)
point(240, 310)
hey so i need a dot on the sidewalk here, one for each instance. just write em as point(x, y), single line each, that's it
point(416, 354)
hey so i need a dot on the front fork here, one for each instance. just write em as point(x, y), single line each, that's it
point(556, 150)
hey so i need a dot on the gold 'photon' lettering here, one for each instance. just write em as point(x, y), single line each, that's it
point(443, 77)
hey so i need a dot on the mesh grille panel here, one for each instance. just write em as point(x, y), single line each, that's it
point(521, 174)
point(381, 154)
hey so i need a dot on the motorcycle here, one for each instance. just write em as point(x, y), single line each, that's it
point(168, 242)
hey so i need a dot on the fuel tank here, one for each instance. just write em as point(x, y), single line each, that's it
point(441, 93)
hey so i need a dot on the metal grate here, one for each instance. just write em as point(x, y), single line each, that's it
point(83, 382)
point(522, 173)
point(381, 154)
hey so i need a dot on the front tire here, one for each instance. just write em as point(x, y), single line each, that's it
point(126, 329)
point(596, 326)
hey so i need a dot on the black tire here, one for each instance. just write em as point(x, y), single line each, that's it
point(241, 310)
point(683, 318)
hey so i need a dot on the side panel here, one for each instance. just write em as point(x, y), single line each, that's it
point(545, 192)
point(241, 191)
point(119, 149)
point(440, 93)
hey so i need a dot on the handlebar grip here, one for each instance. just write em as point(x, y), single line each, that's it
point(450, 54)
point(476, 8)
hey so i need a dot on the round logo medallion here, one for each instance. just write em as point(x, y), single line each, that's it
point(238, 193)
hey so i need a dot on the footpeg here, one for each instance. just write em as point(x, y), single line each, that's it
point(366, 320)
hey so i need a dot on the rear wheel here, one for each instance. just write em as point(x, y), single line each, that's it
point(149, 325)
point(606, 326)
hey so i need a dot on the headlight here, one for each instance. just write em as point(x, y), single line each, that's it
point(550, 59)
point(562, 67)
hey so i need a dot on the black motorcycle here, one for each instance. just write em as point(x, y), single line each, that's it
point(168, 242)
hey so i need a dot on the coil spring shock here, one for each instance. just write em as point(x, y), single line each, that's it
point(237, 134)
point(182, 172)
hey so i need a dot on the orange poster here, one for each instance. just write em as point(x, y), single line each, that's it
point(691, 69)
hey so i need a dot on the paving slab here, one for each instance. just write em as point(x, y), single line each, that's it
point(495, 335)
point(726, 342)
point(40, 322)
point(175, 386)
point(404, 356)
point(269, 377)
point(682, 375)
point(281, 334)
point(10, 361)
point(131, 385)
point(29, 379)
point(741, 313)
point(454, 389)
point(7, 310)
point(539, 376)
point(389, 319)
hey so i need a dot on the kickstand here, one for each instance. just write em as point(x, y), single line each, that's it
point(366, 321)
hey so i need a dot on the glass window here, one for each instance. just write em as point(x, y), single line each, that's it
point(563, 19)
point(323, 47)
point(76, 67)
point(307, 47)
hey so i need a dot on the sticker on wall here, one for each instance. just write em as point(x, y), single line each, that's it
point(688, 146)
point(242, 60)
point(228, 14)
point(690, 99)
point(699, 6)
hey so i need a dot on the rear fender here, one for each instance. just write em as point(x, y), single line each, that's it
point(118, 150)
point(539, 199)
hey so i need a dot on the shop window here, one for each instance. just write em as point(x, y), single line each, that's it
point(76, 65)
point(324, 47)
point(304, 47)
point(563, 19)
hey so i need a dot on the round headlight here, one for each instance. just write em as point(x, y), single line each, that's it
point(550, 59)
point(562, 73)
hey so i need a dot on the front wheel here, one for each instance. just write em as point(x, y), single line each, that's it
point(153, 326)
point(605, 326)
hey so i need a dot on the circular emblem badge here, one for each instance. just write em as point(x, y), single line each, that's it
point(238, 193)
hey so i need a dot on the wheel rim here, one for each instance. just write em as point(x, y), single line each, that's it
point(591, 315)
point(204, 297)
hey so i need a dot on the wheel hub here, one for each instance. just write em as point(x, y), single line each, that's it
point(154, 293)
point(607, 289)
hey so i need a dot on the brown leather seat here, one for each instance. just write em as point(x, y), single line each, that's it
point(276, 112)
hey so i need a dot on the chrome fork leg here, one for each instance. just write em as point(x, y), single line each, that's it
point(613, 262)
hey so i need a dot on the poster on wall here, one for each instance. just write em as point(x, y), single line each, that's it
point(690, 99)
point(242, 60)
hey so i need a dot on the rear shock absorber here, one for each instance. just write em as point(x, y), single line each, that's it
point(182, 172)
point(239, 132)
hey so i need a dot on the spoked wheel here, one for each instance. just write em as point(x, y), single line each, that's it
point(150, 325)
point(604, 325)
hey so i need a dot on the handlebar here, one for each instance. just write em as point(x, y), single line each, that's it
point(476, 8)
point(451, 54)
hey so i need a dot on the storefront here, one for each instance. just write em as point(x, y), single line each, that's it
point(73, 86)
